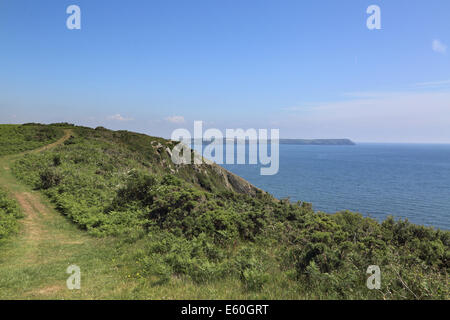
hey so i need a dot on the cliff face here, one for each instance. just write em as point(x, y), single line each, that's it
point(155, 154)
point(234, 182)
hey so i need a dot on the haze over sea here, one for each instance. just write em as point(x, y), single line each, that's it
point(404, 180)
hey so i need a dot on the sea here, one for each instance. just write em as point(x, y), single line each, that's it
point(407, 181)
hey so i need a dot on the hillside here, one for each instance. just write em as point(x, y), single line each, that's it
point(188, 231)
point(15, 139)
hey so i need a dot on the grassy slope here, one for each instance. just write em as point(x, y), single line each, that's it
point(19, 138)
point(181, 233)
point(33, 263)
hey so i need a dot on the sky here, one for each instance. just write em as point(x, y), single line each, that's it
point(311, 69)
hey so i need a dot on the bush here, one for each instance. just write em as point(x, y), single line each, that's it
point(9, 213)
point(56, 160)
point(254, 280)
point(50, 177)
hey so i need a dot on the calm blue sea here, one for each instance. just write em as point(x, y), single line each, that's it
point(404, 180)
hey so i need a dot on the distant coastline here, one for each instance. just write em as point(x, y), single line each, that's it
point(319, 142)
point(305, 142)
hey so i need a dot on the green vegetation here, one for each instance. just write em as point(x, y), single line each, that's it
point(9, 213)
point(186, 231)
point(19, 138)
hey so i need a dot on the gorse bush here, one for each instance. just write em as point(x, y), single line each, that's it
point(9, 213)
point(254, 280)
point(50, 177)
point(165, 254)
point(187, 222)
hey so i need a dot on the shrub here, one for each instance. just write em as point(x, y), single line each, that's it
point(9, 213)
point(254, 280)
point(56, 160)
point(50, 177)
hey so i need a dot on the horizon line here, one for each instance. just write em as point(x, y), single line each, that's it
point(168, 138)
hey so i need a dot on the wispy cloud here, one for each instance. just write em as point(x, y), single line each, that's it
point(433, 84)
point(438, 46)
point(347, 96)
point(299, 108)
point(118, 117)
point(175, 119)
point(393, 116)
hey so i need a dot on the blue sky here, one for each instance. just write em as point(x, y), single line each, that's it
point(310, 68)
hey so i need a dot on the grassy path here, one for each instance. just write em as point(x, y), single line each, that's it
point(33, 264)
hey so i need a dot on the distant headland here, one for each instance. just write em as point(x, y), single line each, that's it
point(319, 142)
point(305, 142)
